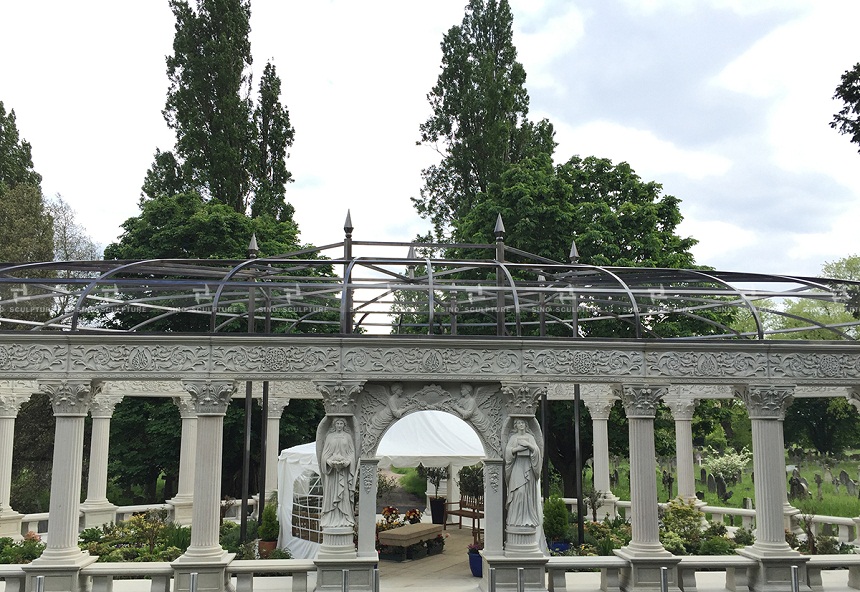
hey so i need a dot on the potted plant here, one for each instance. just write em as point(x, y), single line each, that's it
point(268, 531)
point(476, 562)
point(556, 524)
point(435, 475)
point(471, 481)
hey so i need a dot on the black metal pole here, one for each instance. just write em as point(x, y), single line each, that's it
point(246, 456)
point(264, 429)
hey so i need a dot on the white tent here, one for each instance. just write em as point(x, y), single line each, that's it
point(434, 438)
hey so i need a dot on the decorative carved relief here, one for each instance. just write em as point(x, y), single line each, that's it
point(493, 477)
point(814, 365)
point(103, 405)
point(522, 397)
point(68, 397)
point(339, 396)
point(210, 397)
point(32, 358)
point(706, 364)
point(640, 401)
point(682, 409)
point(765, 401)
point(144, 387)
point(401, 362)
point(583, 362)
point(277, 406)
point(368, 476)
point(274, 359)
point(599, 408)
point(186, 407)
point(139, 359)
point(11, 404)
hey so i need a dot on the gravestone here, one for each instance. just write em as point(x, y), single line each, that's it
point(795, 489)
point(818, 482)
point(836, 485)
point(748, 504)
point(851, 487)
point(698, 457)
point(844, 478)
point(703, 475)
point(700, 495)
point(721, 488)
point(828, 475)
point(712, 484)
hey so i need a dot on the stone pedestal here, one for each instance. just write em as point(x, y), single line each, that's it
point(645, 569)
point(211, 574)
point(773, 573)
point(98, 513)
point(337, 543)
point(10, 524)
point(507, 572)
point(359, 571)
point(522, 542)
point(66, 577)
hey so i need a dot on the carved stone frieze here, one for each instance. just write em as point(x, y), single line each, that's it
point(68, 397)
point(339, 395)
point(814, 365)
point(144, 387)
point(494, 478)
point(11, 404)
point(139, 360)
point(275, 359)
point(277, 406)
point(405, 363)
point(18, 387)
point(210, 397)
point(103, 405)
point(640, 400)
point(765, 401)
point(706, 364)
point(595, 362)
point(31, 359)
point(368, 476)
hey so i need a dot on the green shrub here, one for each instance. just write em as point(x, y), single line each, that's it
point(684, 519)
point(412, 482)
point(471, 480)
point(715, 529)
point(22, 552)
point(556, 520)
point(269, 526)
point(827, 545)
point(673, 543)
point(717, 545)
point(744, 537)
point(280, 554)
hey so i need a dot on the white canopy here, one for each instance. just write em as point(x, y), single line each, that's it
point(433, 438)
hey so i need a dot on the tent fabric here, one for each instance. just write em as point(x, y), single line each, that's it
point(433, 438)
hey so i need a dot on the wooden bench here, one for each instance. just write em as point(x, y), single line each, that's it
point(410, 534)
point(468, 507)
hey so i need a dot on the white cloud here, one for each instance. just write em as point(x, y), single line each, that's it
point(649, 155)
point(717, 240)
point(539, 47)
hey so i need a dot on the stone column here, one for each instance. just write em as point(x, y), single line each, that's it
point(62, 559)
point(97, 509)
point(682, 408)
point(645, 552)
point(183, 500)
point(10, 520)
point(368, 482)
point(766, 405)
point(599, 409)
point(276, 410)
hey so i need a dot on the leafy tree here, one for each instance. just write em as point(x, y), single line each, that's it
point(25, 225)
point(479, 123)
point(16, 160)
point(274, 136)
point(847, 121)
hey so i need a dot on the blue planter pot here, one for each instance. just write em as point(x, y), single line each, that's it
point(476, 564)
point(559, 547)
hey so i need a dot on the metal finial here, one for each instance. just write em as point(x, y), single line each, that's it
point(573, 257)
point(253, 250)
point(411, 253)
point(347, 225)
point(499, 230)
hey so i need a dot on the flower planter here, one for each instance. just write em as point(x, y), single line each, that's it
point(265, 548)
point(437, 509)
point(476, 564)
point(559, 547)
point(393, 553)
point(418, 551)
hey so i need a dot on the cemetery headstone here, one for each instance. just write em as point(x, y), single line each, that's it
point(851, 487)
point(712, 484)
point(748, 503)
point(704, 475)
point(818, 482)
point(844, 478)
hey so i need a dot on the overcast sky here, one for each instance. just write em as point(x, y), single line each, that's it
point(724, 102)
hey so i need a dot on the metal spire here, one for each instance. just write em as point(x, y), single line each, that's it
point(573, 257)
point(499, 230)
point(253, 250)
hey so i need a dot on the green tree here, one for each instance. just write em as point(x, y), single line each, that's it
point(847, 120)
point(16, 160)
point(25, 225)
point(274, 136)
point(479, 123)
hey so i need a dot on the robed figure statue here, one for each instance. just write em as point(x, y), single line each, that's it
point(338, 471)
point(522, 472)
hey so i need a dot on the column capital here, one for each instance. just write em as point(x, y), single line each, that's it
point(277, 406)
point(70, 398)
point(103, 405)
point(765, 401)
point(11, 404)
point(339, 395)
point(186, 407)
point(522, 397)
point(640, 400)
point(599, 407)
point(682, 408)
point(210, 397)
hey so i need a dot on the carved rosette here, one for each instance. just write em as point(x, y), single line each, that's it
point(103, 405)
point(766, 401)
point(682, 409)
point(640, 400)
point(277, 406)
point(210, 397)
point(69, 397)
point(599, 408)
point(186, 407)
point(521, 397)
point(11, 404)
point(339, 395)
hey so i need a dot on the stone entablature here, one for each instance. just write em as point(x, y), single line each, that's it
point(285, 358)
